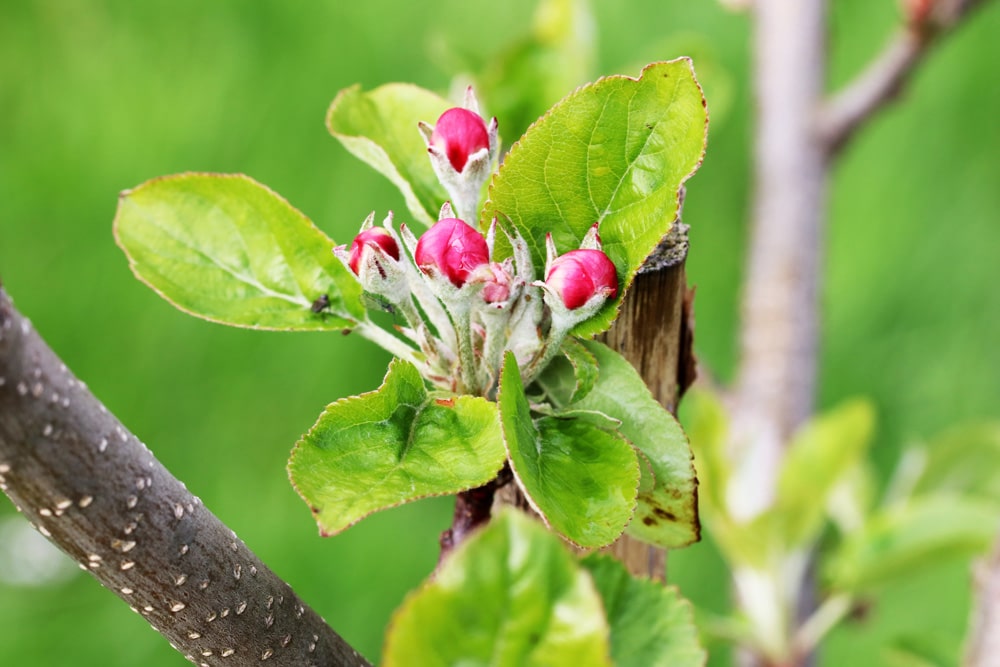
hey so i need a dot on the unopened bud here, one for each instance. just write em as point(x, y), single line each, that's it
point(453, 249)
point(460, 133)
point(497, 288)
point(579, 275)
point(375, 239)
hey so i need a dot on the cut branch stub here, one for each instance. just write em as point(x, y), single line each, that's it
point(99, 494)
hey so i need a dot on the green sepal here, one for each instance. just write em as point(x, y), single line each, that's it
point(391, 446)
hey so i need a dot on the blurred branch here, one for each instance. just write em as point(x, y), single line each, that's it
point(888, 73)
point(775, 387)
point(94, 490)
point(776, 376)
point(983, 644)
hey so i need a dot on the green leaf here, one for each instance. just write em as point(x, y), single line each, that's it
point(820, 456)
point(570, 375)
point(615, 152)
point(651, 625)
point(510, 596)
point(925, 650)
point(667, 510)
point(380, 128)
point(387, 447)
point(707, 424)
point(580, 478)
point(225, 248)
point(907, 537)
point(964, 459)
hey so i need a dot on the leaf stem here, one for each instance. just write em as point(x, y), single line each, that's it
point(545, 355)
point(386, 341)
point(831, 612)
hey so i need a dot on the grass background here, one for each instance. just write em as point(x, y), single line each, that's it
point(98, 96)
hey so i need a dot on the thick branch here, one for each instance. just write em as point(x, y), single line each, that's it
point(99, 494)
point(885, 77)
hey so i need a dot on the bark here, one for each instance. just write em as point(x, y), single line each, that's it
point(654, 333)
point(100, 495)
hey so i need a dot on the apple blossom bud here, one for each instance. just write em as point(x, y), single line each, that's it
point(453, 249)
point(497, 288)
point(579, 275)
point(458, 134)
point(376, 237)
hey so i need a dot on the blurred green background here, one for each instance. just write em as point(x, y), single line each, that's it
point(98, 96)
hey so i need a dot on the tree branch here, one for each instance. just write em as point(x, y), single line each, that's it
point(881, 82)
point(99, 494)
point(983, 643)
point(776, 377)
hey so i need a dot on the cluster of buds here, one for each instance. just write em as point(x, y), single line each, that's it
point(462, 305)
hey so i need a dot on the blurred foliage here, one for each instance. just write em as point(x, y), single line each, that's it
point(98, 96)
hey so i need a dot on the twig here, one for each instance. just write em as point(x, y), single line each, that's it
point(473, 508)
point(100, 495)
point(885, 77)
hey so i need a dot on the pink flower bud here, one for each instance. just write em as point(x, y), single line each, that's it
point(376, 237)
point(580, 274)
point(458, 134)
point(496, 288)
point(453, 248)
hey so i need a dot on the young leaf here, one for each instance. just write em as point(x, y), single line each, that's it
point(615, 152)
point(667, 511)
point(227, 249)
point(569, 376)
point(510, 596)
point(964, 459)
point(393, 445)
point(580, 478)
point(822, 453)
point(380, 128)
point(910, 536)
point(651, 625)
